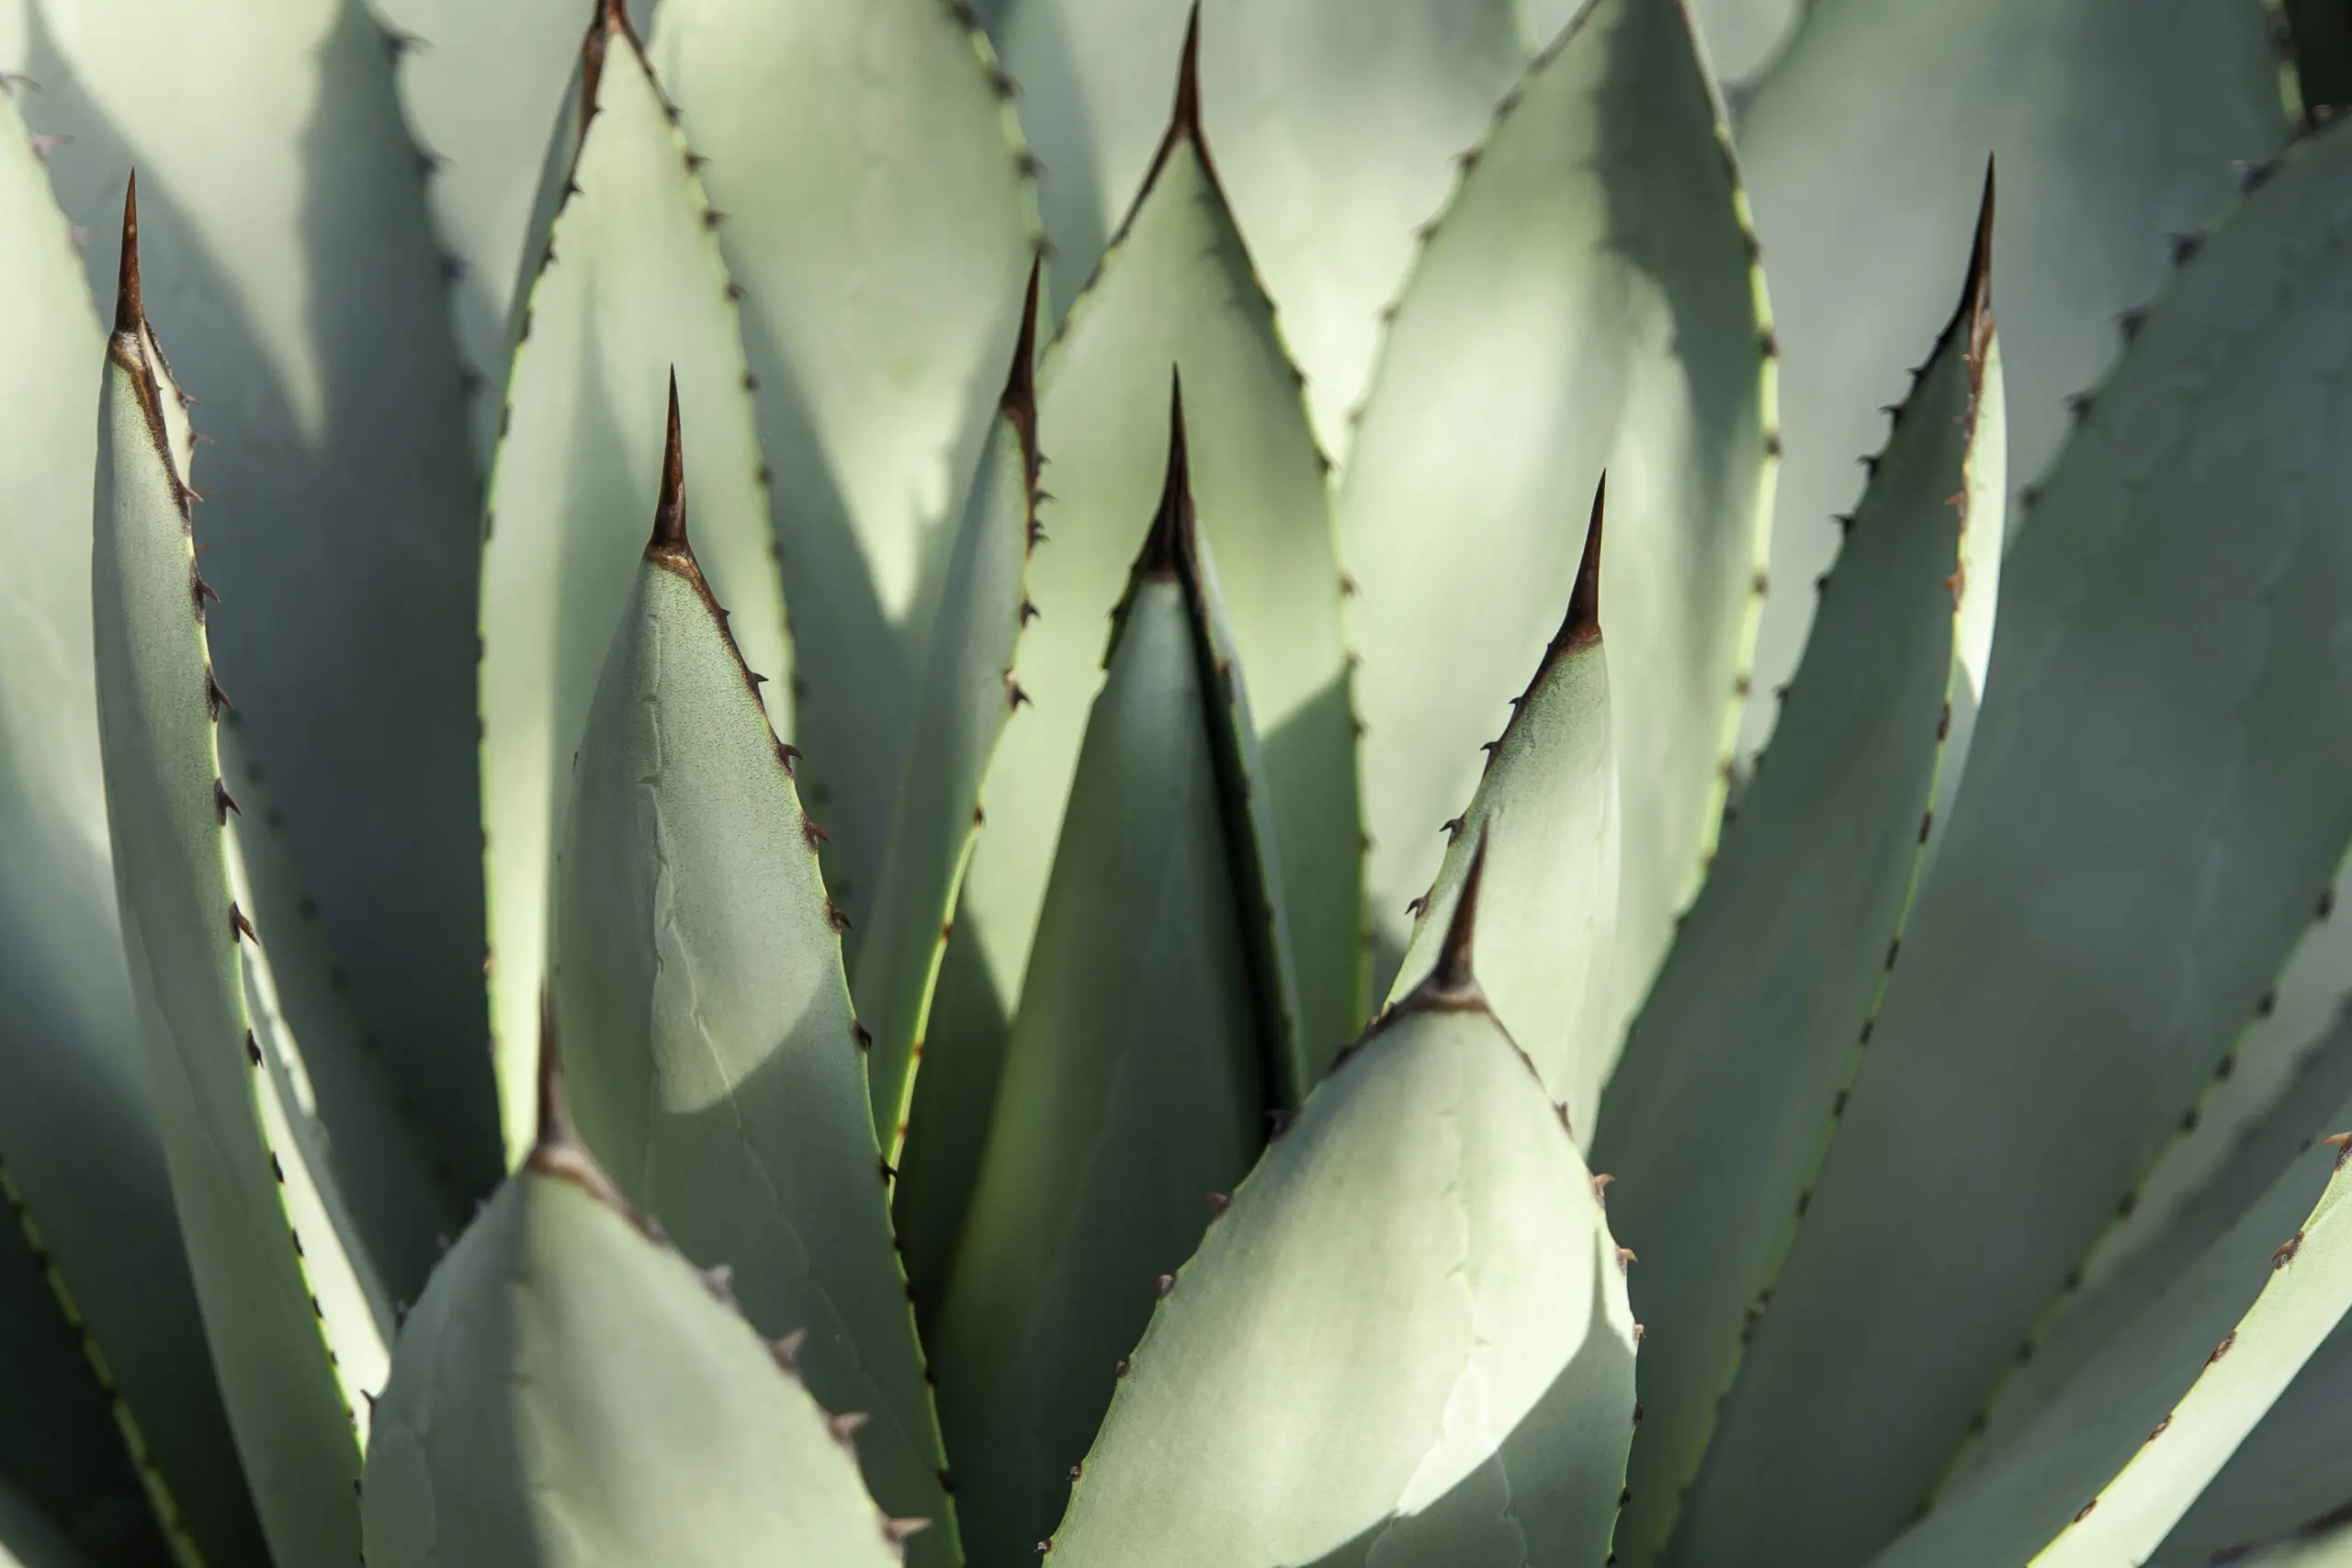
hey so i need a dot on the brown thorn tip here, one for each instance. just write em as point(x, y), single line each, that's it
point(1020, 399)
point(670, 509)
point(129, 313)
point(1976, 293)
point(1168, 547)
point(555, 1115)
point(1452, 976)
point(1582, 626)
point(1185, 119)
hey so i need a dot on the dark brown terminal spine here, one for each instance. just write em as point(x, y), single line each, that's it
point(669, 540)
point(1168, 547)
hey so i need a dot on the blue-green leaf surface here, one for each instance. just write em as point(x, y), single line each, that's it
point(83, 1158)
point(1406, 1343)
point(571, 1394)
point(289, 247)
point(880, 221)
point(1137, 1077)
point(1588, 301)
point(1337, 128)
point(715, 1064)
point(2120, 126)
point(1767, 1001)
point(28, 1538)
point(2152, 809)
point(295, 1320)
point(635, 294)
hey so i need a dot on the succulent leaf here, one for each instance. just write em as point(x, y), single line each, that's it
point(2131, 861)
point(479, 86)
point(870, 142)
point(1137, 1075)
point(295, 1320)
point(1406, 1340)
point(287, 244)
point(2288, 1472)
point(1546, 820)
point(1862, 148)
point(963, 707)
point(715, 1064)
point(1336, 129)
point(28, 1539)
point(1749, 1038)
point(83, 1157)
point(2103, 1472)
point(570, 1394)
point(636, 293)
point(2325, 1541)
point(1178, 288)
point(1587, 302)
point(344, 1105)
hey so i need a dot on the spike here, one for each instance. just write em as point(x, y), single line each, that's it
point(1163, 1287)
point(129, 314)
point(1600, 1184)
point(844, 1425)
point(1581, 628)
point(899, 1529)
point(557, 1150)
point(786, 1352)
point(1168, 546)
point(1020, 400)
point(1218, 1204)
point(720, 1281)
point(1185, 119)
point(1451, 982)
point(670, 509)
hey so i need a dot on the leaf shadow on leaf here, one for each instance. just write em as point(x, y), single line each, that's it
point(344, 540)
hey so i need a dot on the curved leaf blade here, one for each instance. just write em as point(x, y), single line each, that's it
point(1863, 146)
point(1428, 1216)
point(875, 143)
point(289, 243)
point(569, 1392)
point(83, 1158)
point(636, 293)
point(28, 1539)
point(2152, 810)
point(1587, 302)
point(715, 1062)
point(1768, 1000)
point(1544, 819)
point(1135, 1079)
point(296, 1327)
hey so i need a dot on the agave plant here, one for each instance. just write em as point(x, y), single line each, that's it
point(1152, 990)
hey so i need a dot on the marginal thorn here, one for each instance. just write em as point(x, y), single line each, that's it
point(899, 1529)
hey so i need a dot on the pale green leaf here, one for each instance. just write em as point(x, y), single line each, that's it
point(713, 1057)
point(1406, 1343)
point(2290, 1469)
point(2154, 807)
point(636, 293)
point(1336, 126)
point(1744, 37)
point(966, 699)
point(1545, 819)
point(2102, 1472)
point(2325, 1542)
point(2120, 126)
point(294, 1318)
point(1135, 1081)
point(879, 220)
point(1587, 302)
point(570, 1394)
point(1176, 290)
point(479, 87)
point(288, 245)
point(1767, 1000)
point(83, 1158)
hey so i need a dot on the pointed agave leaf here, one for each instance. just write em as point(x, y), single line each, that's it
point(1863, 147)
point(966, 698)
point(29, 1540)
point(479, 86)
point(1177, 286)
point(698, 981)
point(635, 292)
point(1546, 820)
point(1336, 129)
point(2130, 860)
point(287, 242)
point(1588, 301)
point(2103, 1472)
point(872, 143)
point(344, 1104)
point(1137, 1077)
point(2288, 1473)
point(83, 1157)
point(1406, 1340)
point(1754, 1029)
point(571, 1392)
point(294, 1318)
